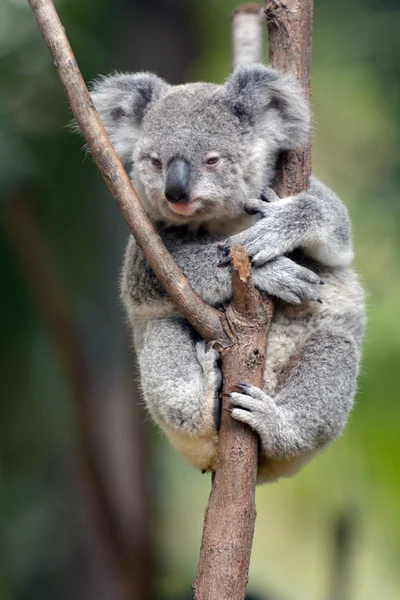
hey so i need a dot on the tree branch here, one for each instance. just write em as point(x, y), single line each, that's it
point(230, 516)
point(290, 39)
point(204, 318)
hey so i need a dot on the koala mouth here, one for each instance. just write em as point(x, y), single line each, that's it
point(185, 209)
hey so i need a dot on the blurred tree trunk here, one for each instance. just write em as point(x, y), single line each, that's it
point(152, 36)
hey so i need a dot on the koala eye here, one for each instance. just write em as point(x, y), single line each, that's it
point(156, 163)
point(212, 161)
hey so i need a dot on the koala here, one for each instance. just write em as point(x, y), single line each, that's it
point(202, 158)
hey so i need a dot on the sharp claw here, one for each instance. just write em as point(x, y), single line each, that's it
point(319, 300)
point(321, 282)
point(239, 387)
point(242, 386)
point(225, 395)
point(264, 198)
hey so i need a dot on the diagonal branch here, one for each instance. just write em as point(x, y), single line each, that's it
point(204, 318)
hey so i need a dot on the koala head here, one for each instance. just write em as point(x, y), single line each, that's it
point(198, 151)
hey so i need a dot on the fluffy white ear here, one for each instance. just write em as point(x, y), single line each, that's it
point(271, 102)
point(122, 101)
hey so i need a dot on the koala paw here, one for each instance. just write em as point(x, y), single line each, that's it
point(273, 235)
point(287, 280)
point(254, 407)
point(208, 358)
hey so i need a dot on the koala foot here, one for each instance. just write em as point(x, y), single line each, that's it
point(254, 407)
point(208, 358)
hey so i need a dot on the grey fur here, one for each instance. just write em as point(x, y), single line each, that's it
point(294, 244)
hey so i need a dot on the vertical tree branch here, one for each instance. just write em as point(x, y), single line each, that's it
point(290, 40)
point(230, 515)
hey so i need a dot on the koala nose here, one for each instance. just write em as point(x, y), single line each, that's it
point(177, 183)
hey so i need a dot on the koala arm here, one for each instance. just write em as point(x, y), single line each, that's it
point(199, 259)
point(315, 221)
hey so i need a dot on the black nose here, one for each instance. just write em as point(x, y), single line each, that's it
point(177, 184)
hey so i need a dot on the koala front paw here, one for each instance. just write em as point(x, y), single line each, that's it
point(287, 280)
point(208, 358)
point(273, 235)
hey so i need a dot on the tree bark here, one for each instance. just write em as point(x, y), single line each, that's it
point(231, 513)
point(290, 38)
point(247, 35)
point(230, 517)
point(229, 521)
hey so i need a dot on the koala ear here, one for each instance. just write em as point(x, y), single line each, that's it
point(122, 101)
point(271, 102)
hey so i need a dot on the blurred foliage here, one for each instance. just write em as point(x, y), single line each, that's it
point(356, 90)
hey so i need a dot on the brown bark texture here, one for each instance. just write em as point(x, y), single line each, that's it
point(226, 545)
point(230, 515)
point(290, 38)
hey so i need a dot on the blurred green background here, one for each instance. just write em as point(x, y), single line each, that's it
point(333, 531)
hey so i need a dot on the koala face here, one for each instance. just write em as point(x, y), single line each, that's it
point(194, 160)
point(199, 150)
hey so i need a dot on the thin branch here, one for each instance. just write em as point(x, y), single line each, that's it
point(230, 517)
point(204, 318)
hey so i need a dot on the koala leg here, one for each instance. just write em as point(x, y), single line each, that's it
point(310, 409)
point(180, 381)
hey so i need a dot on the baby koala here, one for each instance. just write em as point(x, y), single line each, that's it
point(202, 158)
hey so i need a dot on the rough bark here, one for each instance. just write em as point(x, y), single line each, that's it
point(290, 35)
point(230, 515)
